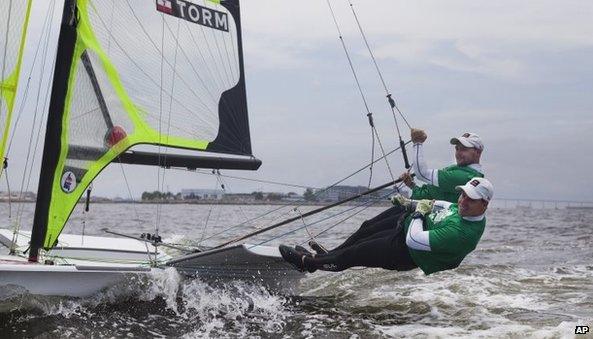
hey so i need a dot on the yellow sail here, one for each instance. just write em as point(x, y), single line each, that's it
point(14, 18)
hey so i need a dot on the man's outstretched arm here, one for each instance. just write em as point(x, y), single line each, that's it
point(423, 172)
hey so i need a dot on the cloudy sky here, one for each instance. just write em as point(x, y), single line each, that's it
point(520, 74)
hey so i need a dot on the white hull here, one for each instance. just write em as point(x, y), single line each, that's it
point(57, 280)
point(80, 268)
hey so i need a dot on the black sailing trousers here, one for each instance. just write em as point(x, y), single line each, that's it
point(379, 242)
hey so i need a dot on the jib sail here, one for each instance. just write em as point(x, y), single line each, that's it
point(14, 16)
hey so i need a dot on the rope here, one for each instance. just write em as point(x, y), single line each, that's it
point(369, 114)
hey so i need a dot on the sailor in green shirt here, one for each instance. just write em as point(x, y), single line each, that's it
point(440, 184)
point(436, 237)
point(440, 240)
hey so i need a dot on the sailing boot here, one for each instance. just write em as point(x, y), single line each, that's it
point(303, 250)
point(297, 259)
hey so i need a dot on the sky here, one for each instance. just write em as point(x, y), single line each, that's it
point(519, 74)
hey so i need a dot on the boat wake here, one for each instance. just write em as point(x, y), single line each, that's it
point(165, 304)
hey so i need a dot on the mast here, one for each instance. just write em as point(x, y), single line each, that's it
point(51, 149)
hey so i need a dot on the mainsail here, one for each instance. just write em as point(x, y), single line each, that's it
point(14, 16)
point(160, 72)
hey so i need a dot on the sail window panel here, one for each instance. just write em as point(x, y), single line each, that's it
point(87, 127)
point(117, 114)
point(173, 70)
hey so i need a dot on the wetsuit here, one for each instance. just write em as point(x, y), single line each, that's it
point(379, 242)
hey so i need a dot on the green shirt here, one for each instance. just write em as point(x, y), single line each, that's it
point(449, 178)
point(451, 238)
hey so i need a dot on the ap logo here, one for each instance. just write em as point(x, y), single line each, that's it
point(581, 330)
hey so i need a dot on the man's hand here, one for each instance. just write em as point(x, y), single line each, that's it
point(400, 200)
point(424, 206)
point(407, 179)
point(418, 136)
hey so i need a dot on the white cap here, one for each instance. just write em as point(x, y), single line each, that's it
point(471, 140)
point(478, 188)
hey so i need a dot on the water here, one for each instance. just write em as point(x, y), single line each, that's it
point(532, 275)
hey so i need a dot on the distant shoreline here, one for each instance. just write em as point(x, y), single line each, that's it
point(199, 202)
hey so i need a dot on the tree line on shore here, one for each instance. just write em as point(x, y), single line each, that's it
point(256, 195)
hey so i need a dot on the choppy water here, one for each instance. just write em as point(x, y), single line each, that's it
point(532, 275)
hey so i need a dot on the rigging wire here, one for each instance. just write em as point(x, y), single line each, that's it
point(391, 101)
point(5, 167)
point(366, 203)
point(225, 188)
point(342, 220)
point(369, 114)
point(372, 161)
point(379, 73)
point(319, 191)
point(44, 37)
point(12, 248)
point(311, 237)
point(315, 211)
point(160, 122)
point(293, 184)
point(205, 227)
point(130, 193)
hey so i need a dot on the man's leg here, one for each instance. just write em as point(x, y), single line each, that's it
point(385, 249)
point(387, 220)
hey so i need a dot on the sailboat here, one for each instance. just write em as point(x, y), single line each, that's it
point(167, 73)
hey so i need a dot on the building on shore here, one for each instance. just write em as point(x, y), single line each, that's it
point(341, 192)
point(16, 196)
point(202, 194)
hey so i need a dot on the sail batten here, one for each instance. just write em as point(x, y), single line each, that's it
point(157, 72)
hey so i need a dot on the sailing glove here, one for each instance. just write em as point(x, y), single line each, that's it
point(418, 136)
point(424, 206)
point(400, 200)
point(407, 179)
